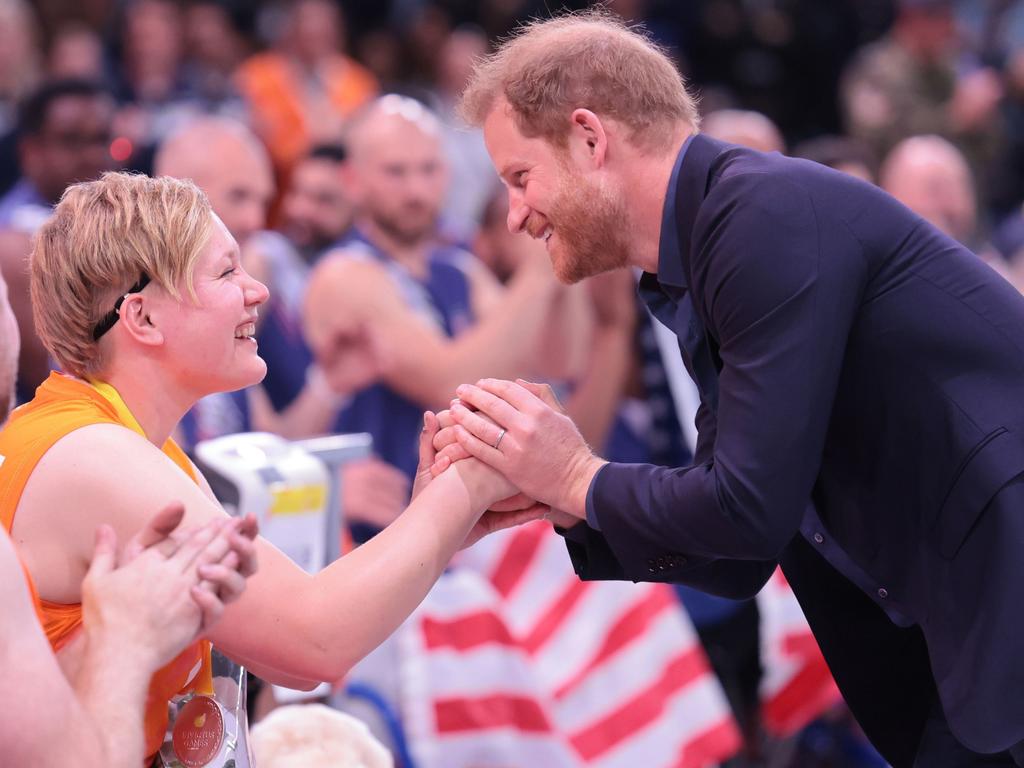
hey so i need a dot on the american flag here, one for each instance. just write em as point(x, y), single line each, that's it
point(797, 685)
point(512, 661)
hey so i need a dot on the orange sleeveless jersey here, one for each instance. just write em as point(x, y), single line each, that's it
point(61, 405)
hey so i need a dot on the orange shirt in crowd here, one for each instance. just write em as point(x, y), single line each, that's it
point(63, 404)
point(279, 95)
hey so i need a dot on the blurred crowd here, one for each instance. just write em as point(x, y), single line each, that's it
point(324, 133)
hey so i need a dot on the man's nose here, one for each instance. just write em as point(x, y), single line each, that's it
point(518, 212)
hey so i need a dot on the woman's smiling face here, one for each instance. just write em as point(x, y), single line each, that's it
point(210, 343)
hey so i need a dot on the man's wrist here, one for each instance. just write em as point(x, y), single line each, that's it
point(581, 475)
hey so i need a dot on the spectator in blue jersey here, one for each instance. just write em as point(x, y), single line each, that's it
point(438, 313)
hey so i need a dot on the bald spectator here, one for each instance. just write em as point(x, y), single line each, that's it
point(441, 316)
point(744, 127)
point(931, 177)
point(64, 137)
point(229, 164)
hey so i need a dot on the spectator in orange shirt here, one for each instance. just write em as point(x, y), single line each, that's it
point(302, 90)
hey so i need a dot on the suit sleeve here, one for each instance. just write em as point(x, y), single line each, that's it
point(780, 312)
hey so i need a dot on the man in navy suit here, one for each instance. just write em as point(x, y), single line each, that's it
point(861, 379)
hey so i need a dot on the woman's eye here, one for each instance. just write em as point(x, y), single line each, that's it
point(229, 271)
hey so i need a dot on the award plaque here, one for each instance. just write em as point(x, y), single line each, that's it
point(209, 729)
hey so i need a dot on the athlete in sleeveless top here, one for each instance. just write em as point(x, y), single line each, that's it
point(139, 294)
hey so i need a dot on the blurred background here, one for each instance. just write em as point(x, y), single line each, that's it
point(253, 101)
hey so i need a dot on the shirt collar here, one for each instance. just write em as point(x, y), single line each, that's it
point(670, 268)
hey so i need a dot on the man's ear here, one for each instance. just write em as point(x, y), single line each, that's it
point(588, 140)
point(140, 319)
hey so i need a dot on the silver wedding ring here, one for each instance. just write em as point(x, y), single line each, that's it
point(497, 442)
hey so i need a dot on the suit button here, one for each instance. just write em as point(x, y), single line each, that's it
point(818, 538)
point(883, 592)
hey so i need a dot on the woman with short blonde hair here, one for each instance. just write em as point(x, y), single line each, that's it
point(138, 293)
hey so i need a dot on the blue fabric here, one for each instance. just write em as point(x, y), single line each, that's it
point(216, 415)
point(19, 198)
point(282, 344)
point(393, 420)
point(283, 347)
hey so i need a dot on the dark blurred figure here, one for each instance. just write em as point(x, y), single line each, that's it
point(473, 180)
point(1009, 239)
point(19, 74)
point(755, 53)
point(150, 84)
point(914, 81)
point(315, 211)
point(216, 45)
point(76, 51)
point(1006, 182)
point(64, 137)
point(839, 152)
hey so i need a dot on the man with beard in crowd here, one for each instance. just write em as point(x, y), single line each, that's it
point(315, 210)
point(438, 314)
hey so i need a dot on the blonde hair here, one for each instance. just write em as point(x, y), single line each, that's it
point(590, 60)
point(102, 237)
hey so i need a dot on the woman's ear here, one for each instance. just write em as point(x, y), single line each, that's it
point(140, 318)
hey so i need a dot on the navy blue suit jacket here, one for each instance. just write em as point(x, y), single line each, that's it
point(862, 380)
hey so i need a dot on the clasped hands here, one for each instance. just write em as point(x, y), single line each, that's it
point(168, 585)
point(520, 430)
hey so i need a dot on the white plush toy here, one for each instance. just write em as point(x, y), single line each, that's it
point(315, 736)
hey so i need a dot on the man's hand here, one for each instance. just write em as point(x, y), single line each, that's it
point(509, 512)
point(167, 591)
point(541, 451)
